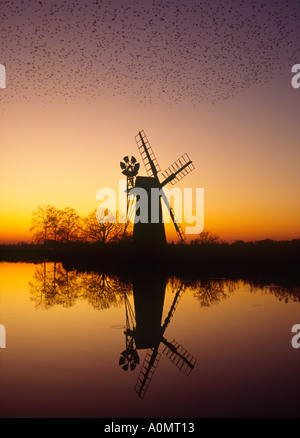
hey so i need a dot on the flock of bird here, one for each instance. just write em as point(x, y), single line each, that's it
point(146, 51)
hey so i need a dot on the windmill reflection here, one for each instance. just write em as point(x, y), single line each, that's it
point(145, 330)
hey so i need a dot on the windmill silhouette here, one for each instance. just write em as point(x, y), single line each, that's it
point(148, 232)
point(144, 330)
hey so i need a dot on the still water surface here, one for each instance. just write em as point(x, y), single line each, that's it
point(87, 344)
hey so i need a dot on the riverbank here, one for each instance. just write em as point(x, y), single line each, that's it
point(262, 258)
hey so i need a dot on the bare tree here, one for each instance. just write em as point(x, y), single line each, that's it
point(102, 226)
point(69, 225)
point(207, 237)
point(41, 224)
point(55, 216)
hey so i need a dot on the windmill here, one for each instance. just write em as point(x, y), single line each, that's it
point(145, 331)
point(149, 232)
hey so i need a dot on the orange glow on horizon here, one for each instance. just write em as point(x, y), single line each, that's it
point(251, 182)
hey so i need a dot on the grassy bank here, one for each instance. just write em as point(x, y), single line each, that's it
point(262, 258)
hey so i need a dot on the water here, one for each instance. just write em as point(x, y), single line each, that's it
point(215, 347)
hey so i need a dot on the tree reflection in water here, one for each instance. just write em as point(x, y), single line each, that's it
point(211, 291)
point(53, 285)
point(284, 293)
point(103, 291)
point(146, 323)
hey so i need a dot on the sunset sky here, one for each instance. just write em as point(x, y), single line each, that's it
point(211, 79)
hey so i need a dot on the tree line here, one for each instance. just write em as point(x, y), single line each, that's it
point(51, 224)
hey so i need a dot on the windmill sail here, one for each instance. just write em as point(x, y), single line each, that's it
point(172, 350)
point(177, 225)
point(147, 154)
point(183, 360)
point(173, 306)
point(149, 366)
point(177, 170)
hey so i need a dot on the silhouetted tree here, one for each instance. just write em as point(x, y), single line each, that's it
point(207, 237)
point(69, 228)
point(55, 217)
point(102, 226)
point(127, 231)
point(41, 223)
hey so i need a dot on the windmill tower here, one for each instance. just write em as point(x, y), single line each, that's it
point(149, 233)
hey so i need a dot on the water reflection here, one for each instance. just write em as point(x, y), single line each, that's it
point(211, 291)
point(240, 331)
point(53, 285)
point(147, 316)
point(145, 330)
point(284, 293)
